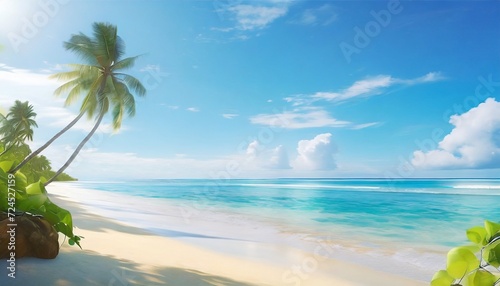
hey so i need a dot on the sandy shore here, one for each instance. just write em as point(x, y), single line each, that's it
point(118, 254)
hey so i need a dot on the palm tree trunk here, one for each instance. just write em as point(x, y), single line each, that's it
point(78, 149)
point(39, 150)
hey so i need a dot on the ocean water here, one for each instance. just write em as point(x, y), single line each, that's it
point(410, 223)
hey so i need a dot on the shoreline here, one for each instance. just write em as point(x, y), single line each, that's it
point(114, 250)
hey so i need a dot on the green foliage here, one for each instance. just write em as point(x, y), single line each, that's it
point(37, 168)
point(62, 177)
point(32, 198)
point(473, 265)
point(491, 253)
point(442, 278)
point(477, 235)
point(492, 229)
point(24, 191)
point(101, 81)
point(460, 261)
point(17, 126)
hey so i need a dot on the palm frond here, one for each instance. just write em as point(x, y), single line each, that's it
point(117, 116)
point(123, 102)
point(64, 76)
point(129, 102)
point(119, 48)
point(66, 86)
point(125, 63)
point(85, 76)
point(134, 84)
point(74, 93)
point(83, 46)
point(105, 43)
point(90, 102)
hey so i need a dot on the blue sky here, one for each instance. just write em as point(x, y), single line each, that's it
point(273, 88)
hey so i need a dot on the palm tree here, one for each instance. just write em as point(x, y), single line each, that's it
point(17, 125)
point(100, 80)
point(44, 146)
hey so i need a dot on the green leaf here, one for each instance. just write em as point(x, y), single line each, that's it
point(492, 229)
point(34, 189)
point(491, 253)
point(6, 165)
point(21, 181)
point(481, 278)
point(42, 209)
point(32, 203)
point(442, 278)
point(71, 241)
point(477, 235)
point(34, 199)
point(474, 248)
point(461, 261)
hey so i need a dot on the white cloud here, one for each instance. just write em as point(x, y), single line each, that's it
point(369, 86)
point(316, 154)
point(299, 118)
point(365, 87)
point(94, 164)
point(279, 158)
point(193, 109)
point(255, 17)
point(230, 115)
point(306, 115)
point(249, 16)
point(323, 15)
point(258, 156)
point(25, 77)
point(253, 149)
point(364, 125)
point(474, 142)
point(430, 77)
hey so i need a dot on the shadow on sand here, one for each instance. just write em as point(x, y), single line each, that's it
point(88, 268)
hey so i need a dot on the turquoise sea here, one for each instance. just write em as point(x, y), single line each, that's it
point(408, 221)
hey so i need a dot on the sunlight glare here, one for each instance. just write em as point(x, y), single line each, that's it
point(11, 14)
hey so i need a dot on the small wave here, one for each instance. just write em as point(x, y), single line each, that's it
point(311, 186)
point(480, 190)
point(478, 187)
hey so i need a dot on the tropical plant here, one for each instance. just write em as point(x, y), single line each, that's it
point(15, 129)
point(20, 193)
point(39, 168)
point(473, 265)
point(17, 126)
point(100, 81)
point(16, 195)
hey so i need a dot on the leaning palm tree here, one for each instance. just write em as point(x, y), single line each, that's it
point(103, 54)
point(104, 87)
point(17, 125)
